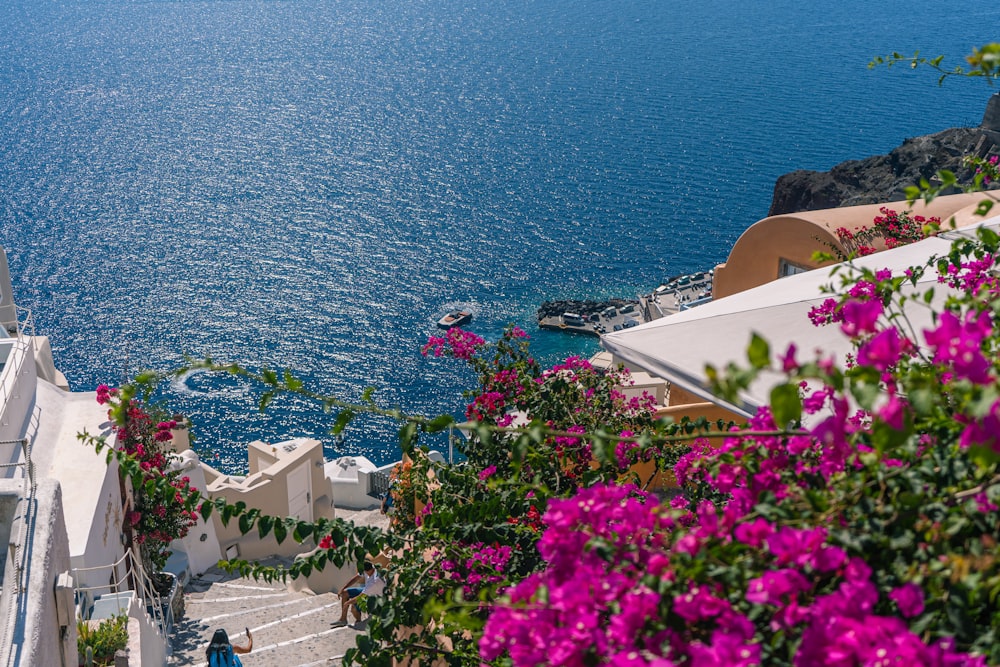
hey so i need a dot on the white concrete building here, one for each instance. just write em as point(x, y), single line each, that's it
point(60, 501)
point(67, 552)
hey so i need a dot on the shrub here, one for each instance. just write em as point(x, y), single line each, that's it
point(109, 637)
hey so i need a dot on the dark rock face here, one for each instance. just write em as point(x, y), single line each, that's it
point(884, 177)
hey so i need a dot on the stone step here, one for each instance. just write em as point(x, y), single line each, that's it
point(289, 628)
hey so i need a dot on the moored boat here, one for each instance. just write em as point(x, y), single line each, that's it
point(456, 318)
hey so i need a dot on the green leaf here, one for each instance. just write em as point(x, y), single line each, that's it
point(280, 532)
point(265, 400)
point(817, 500)
point(923, 400)
point(902, 542)
point(983, 455)
point(439, 423)
point(264, 525)
point(292, 382)
point(145, 380)
point(984, 207)
point(343, 419)
point(866, 394)
point(885, 438)
point(303, 529)
point(407, 435)
point(759, 352)
point(786, 404)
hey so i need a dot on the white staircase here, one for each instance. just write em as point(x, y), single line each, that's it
point(289, 628)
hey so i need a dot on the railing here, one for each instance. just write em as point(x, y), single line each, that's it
point(378, 484)
point(12, 593)
point(15, 599)
point(11, 365)
point(147, 595)
point(25, 322)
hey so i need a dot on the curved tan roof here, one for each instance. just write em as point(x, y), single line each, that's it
point(790, 239)
point(678, 347)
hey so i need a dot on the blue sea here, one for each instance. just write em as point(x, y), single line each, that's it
point(311, 184)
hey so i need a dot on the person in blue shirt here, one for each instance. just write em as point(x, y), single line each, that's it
point(221, 653)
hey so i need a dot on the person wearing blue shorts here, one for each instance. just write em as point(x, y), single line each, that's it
point(374, 584)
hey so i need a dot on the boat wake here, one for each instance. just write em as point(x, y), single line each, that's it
point(203, 382)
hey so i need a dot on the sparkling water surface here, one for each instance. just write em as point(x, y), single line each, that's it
point(312, 184)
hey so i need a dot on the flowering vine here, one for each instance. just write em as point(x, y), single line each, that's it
point(164, 505)
point(865, 537)
point(890, 230)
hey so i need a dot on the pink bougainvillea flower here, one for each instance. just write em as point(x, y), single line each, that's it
point(882, 351)
point(894, 412)
point(909, 598)
point(699, 604)
point(788, 362)
point(776, 586)
point(825, 313)
point(984, 431)
point(860, 317)
point(958, 344)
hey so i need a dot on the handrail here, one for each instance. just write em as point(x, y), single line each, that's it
point(14, 593)
point(19, 351)
point(19, 348)
point(146, 594)
point(25, 324)
point(17, 599)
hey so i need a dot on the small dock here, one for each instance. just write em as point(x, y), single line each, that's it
point(679, 294)
point(608, 319)
point(591, 318)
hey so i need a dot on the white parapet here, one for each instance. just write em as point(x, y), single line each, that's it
point(349, 477)
point(201, 545)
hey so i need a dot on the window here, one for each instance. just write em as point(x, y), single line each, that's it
point(786, 268)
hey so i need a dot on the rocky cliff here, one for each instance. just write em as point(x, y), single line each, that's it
point(884, 177)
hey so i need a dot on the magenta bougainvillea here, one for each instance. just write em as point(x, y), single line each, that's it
point(891, 228)
point(864, 534)
point(164, 505)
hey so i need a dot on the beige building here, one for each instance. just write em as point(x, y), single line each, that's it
point(783, 245)
point(678, 347)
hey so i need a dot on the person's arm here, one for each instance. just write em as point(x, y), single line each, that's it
point(244, 649)
point(354, 580)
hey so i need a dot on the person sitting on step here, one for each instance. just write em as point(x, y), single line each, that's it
point(374, 584)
